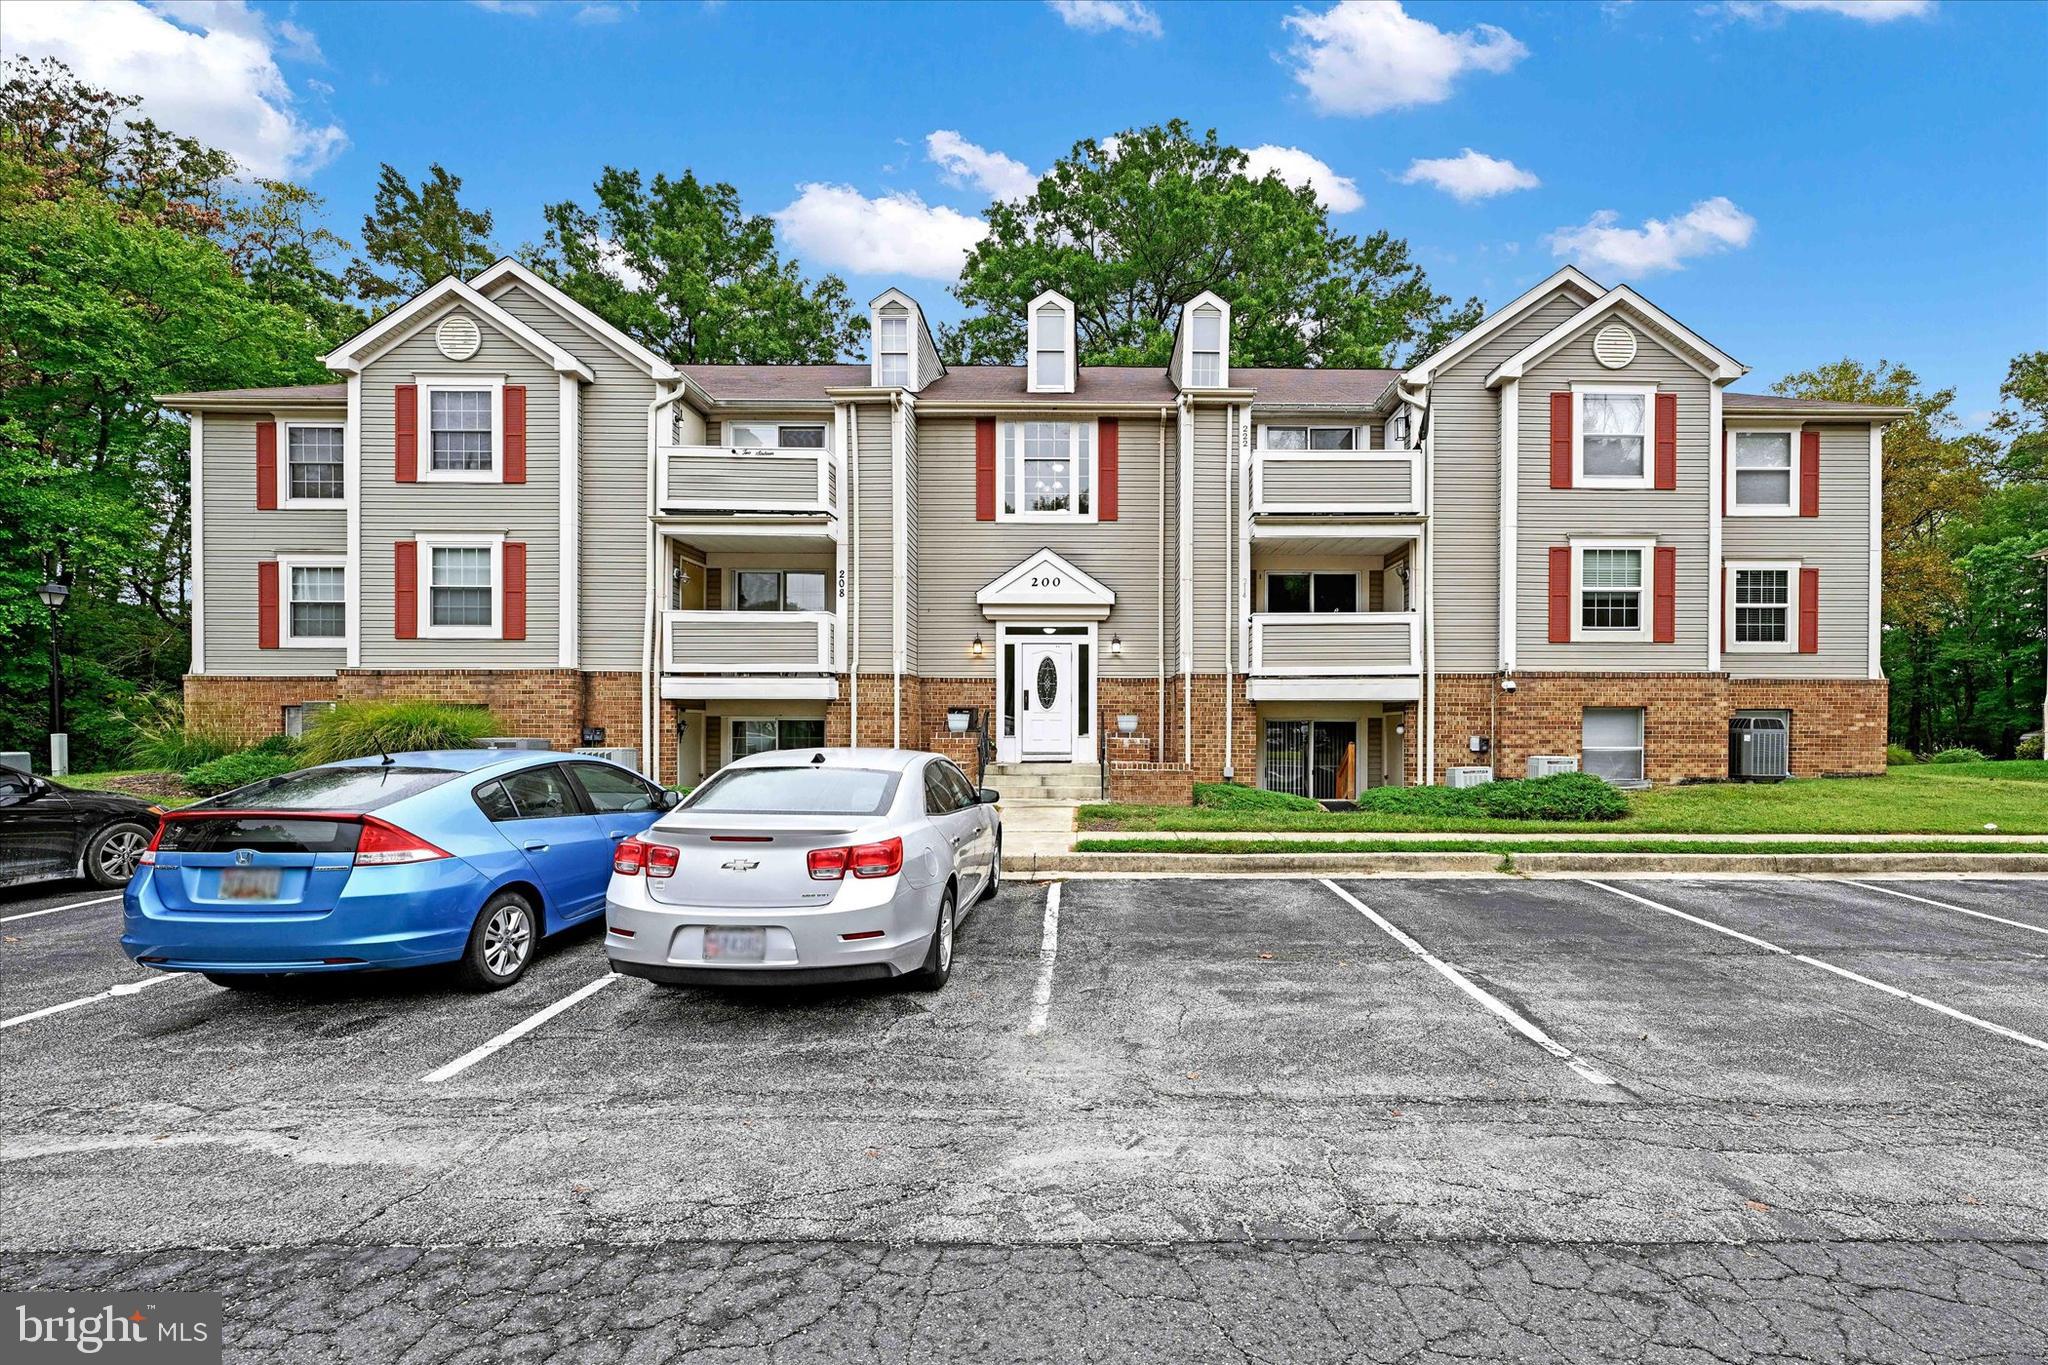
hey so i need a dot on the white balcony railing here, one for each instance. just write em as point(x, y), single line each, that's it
point(747, 641)
point(746, 479)
point(1344, 481)
point(1334, 644)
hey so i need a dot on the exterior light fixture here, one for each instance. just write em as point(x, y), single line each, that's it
point(54, 594)
point(1116, 645)
point(977, 649)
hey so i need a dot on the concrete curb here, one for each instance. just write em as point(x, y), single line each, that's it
point(1198, 864)
point(1526, 864)
point(1577, 864)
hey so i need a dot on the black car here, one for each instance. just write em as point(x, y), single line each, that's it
point(49, 831)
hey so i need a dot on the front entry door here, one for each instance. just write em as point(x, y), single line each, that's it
point(1045, 699)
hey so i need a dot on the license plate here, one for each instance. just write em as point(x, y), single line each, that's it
point(735, 945)
point(248, 884)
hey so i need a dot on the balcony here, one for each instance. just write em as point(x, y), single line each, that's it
point(1336, 656)
point(758, 654)
point(1338, 482)
point(747, 480)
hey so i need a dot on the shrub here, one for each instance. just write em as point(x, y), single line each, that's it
point(1235, 796)
point(1958, 755)
point(1561, 796)
point(1451, 801)
point(352, 729)
point(2029, 747)
point(163, 743)
point(235, 770)
point(1898, 756)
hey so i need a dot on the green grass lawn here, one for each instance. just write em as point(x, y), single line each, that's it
point(1282, 844)
point(147, 783)
point(1931, 798)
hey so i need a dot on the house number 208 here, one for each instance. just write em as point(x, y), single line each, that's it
point(1048, 581)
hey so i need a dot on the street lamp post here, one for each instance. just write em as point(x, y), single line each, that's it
point(54, 594)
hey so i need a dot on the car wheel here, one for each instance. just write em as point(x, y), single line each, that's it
point(995, 873)
point(501, 943)
point(938, 959)
point(242, 981)
point(111, 855)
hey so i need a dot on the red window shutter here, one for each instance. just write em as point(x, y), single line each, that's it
point(1667, 440)
point(266, 604)
point(1560, 441)
point(984, 469)
point(1809, 473)
point(1105, 469)
point(405, 428)
point(1664, 617)
point(1809, 611)
point(405, 581)
point(1561, 593)
point(515, 433)
point(266, 466)
point(515, 590)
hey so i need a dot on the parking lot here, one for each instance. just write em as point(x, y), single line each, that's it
point(1216, 1119)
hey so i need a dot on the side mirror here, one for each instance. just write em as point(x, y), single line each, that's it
point(670, 799)
point(989, 796)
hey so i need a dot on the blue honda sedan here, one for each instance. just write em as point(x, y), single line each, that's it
point(467, 856)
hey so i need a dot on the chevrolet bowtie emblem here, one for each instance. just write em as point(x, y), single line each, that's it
point(741, 864)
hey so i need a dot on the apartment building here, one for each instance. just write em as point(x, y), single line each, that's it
point(1565, 534)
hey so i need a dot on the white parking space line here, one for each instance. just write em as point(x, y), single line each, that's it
point(111, 993)
point(518, 1030)
point(1943, 905)
point(1843, 972)
point(51, 910)
point(1493, 1004)
point(1048, 951)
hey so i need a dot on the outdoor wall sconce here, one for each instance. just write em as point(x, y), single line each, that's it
point(977, 649)
point(1401, 572)
point(1116, 645)
point(1127, 725)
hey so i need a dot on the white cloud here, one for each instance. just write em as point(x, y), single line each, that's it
point(526, 9)
point(1369, 56)
point(838, 227)
point(1868, 11)
point(1099, 16)
point(1710, 226)
point(1469, 176)
point(600, 14)
point(1338, 193)
point(221, 85)
point(960, 162)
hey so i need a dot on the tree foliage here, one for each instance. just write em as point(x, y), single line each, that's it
point(679, 266)
point(415, 236)
point(1132, 227)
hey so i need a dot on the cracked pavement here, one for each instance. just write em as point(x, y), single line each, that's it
point(1256, 1128)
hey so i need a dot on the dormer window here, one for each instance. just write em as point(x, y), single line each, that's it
point(1205, 360)
point(892, 349)
point(1052, 345)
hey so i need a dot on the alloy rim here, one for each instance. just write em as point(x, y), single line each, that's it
point(120, 854)
point(945, 937)
point(507, 939)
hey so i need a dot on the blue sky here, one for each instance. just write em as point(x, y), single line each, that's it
point(1795, 182)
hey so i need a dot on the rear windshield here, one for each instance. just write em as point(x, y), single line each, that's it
point(807, 790)
point(261, 833)
point(336, 788)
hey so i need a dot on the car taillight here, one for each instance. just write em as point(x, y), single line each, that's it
point(878, 860)
point(829, 864)
point(384, 844)
point(148, 858)
point(661, 860)
point(629, 857)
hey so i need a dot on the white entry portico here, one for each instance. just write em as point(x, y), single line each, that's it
point(1045, 613)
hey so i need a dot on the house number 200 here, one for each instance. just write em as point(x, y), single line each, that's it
point(1048, 581)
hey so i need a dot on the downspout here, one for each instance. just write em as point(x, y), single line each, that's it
point(1185, 435)
point(1230, 593)
point(899, 550)
point(1159, 735)
point(853, 582)
point(650, 702)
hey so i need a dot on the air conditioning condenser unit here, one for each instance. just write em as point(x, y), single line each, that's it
point(1544, 765)
point(626, 757)
point(1467, 777)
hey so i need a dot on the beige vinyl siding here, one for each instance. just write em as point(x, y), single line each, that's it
point(1215, 539)
point(1318, 483)
point(1837, 542)
point(1334, 643)
point(961, 556)
point(613, 474)
point(238, 538)
point(875, 476)
point(1464, 422)
point(393, 511)
point(1549, 516)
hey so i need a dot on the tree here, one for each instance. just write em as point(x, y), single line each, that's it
point(277, 242)
point(1132, 227)
point(680, 268)
point(415, 237)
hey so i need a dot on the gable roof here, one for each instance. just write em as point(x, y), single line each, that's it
point(1079, 596)
point(353, 354)
point(256, 400)
point(506, 272)
point(1570, 277)
point(1720, 366)
point(892, 293)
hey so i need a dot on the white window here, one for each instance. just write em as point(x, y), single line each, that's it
point(312, 464)
point(776, 435)
point(1307, 591)
point(1763, 612)
point(1611, 742)
point(777, 590)
point(315, 601)
point(1309, 438)
point(1611, 437)
point(459, 587)
point(892, 349)
point(1766, 469)
point(1049, 347)
point(1205, 353)
point(462, 427)
point(1608, 590)
point(1048, 471)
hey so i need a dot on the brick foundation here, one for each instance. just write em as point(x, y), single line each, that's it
point(248, 709)
point(1839, 725)
point(1151, 784)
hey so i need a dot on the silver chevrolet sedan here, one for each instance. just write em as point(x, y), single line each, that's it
point(807, 865)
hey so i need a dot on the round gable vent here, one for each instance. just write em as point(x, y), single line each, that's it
point(458, 337)
point(1614, 346)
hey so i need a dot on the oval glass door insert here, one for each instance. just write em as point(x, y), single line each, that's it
point(1048, 682)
